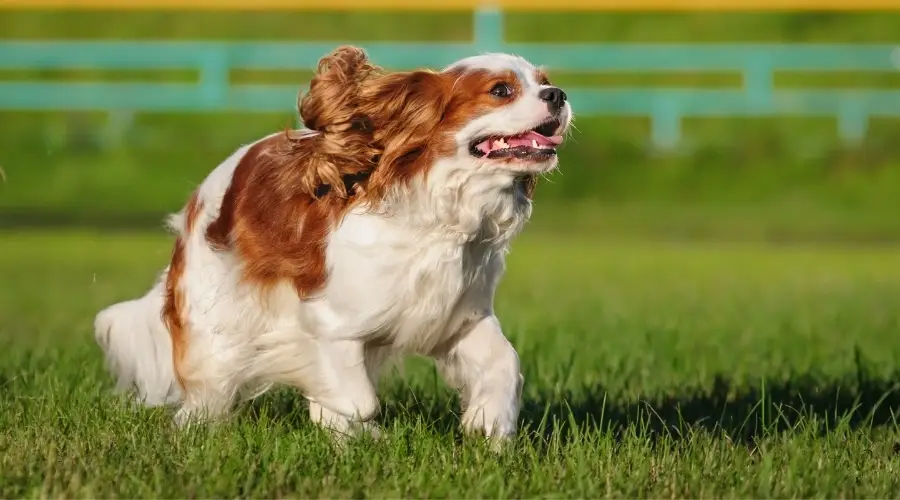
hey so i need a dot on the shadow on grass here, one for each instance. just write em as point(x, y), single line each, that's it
point(811, 403)
point(744, 414)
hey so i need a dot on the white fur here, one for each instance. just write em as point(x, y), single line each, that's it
point(138, 347)
point(417, 276)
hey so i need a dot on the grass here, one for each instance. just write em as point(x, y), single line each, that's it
point(652, 370)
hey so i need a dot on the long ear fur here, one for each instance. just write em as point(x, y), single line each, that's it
point(405, 109)
point(372, 126)
point(342, 149)
point(332, 103)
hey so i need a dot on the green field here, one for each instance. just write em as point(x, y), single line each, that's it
point(652, 370)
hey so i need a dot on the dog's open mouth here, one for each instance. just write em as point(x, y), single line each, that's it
point(537, 144)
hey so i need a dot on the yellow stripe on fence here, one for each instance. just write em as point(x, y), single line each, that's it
point(447, 5)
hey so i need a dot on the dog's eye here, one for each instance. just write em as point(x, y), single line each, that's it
point(501, 90)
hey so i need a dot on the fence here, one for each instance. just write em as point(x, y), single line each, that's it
point(665, 106)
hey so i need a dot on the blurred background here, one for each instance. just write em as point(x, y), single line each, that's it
point(759, 120)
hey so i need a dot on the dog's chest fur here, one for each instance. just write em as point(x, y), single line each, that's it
point(407, 288)
point(413, 286)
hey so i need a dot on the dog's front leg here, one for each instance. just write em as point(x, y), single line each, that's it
point(484, 366)
point(343, 398)
point(334, 375)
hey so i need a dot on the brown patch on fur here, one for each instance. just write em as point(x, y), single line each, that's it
point(269, 218)
point(173, 312)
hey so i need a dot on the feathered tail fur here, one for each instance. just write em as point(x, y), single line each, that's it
point(138, 348)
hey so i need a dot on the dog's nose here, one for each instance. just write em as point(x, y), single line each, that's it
point(554, 97)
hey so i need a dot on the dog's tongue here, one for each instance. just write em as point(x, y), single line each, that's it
point(532, 138)
point(529, 139)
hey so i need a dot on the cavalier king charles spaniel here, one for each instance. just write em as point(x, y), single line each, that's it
point(310, 257)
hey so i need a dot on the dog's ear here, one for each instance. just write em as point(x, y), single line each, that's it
point(343, 146)
point(370, 122)
point(405, 110)
point(331, 104)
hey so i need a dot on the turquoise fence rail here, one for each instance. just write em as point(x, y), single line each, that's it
point(665, 106)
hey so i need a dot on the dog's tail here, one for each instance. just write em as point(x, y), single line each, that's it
point(138, 347)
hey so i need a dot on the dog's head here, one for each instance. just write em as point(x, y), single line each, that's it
point(494, 115)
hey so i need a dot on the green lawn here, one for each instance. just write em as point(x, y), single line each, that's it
point(652, 370)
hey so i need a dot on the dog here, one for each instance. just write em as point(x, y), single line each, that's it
point(311, 257)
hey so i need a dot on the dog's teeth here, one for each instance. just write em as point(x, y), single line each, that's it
point(534, 144)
